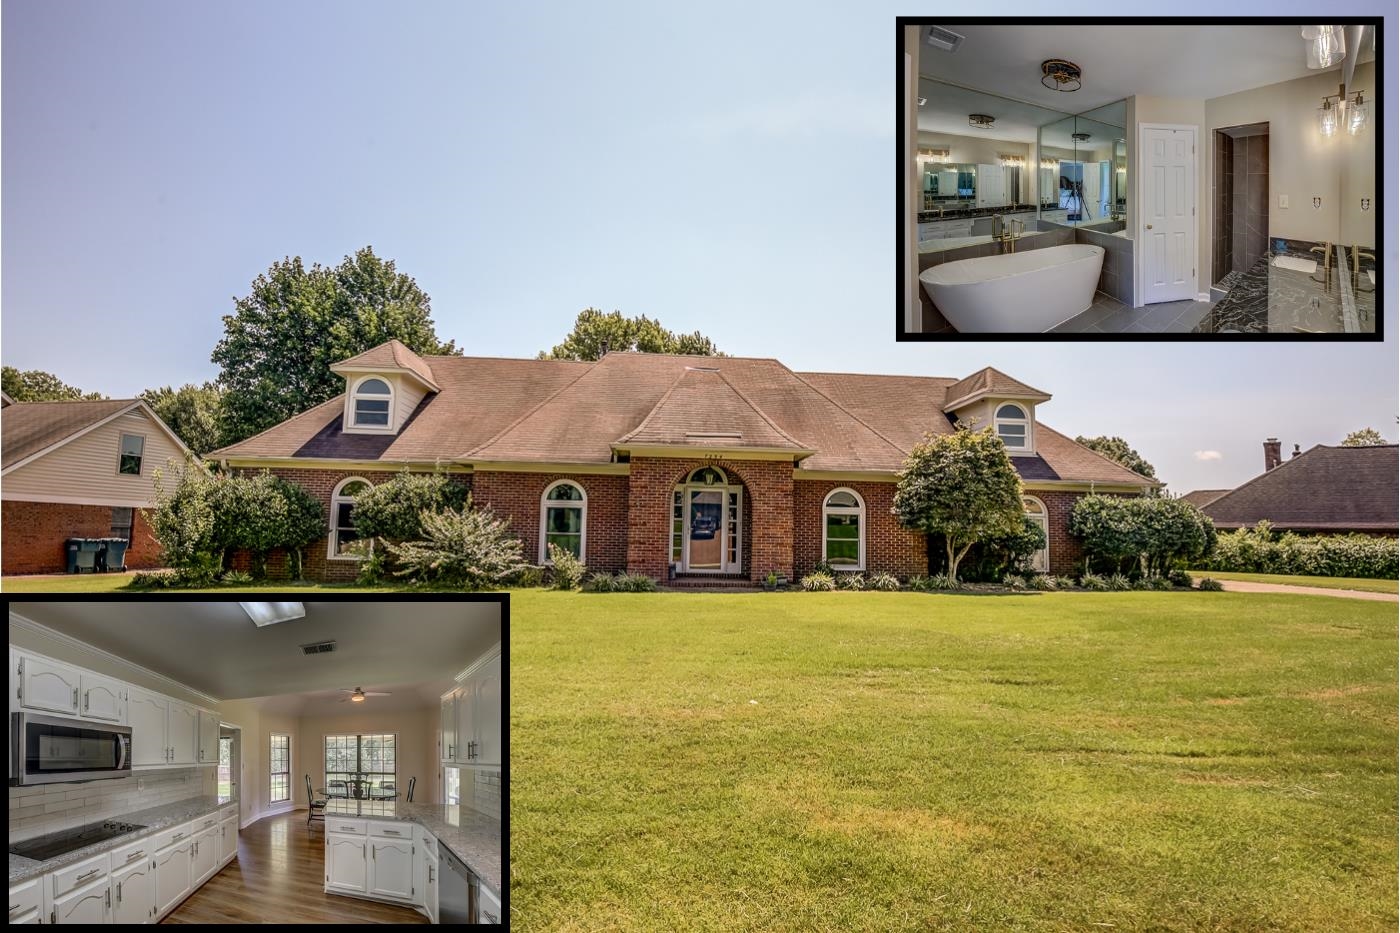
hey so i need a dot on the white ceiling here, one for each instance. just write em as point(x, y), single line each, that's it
point(215, 648)
point(403, 698)
point(947, 108)
point(1191, 61)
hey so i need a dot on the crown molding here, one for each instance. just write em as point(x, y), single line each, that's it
point(38, 629)
point(491, 654)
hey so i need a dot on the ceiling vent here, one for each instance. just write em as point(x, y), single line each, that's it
point(944, 39)
point(324, 647)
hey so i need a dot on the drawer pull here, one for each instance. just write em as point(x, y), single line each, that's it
point(89, 874)
point(178, 837)
point(14, 906)
point(134, 855)
point(391, 832)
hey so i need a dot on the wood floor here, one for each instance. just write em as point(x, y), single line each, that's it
point(277, 878)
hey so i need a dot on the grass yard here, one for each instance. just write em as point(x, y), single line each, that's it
point(1364, 584)
point(116, 583)
point(874, 761)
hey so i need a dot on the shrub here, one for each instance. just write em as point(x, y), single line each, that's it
point(943, 581)
point(152, 580)
point(567, 570)
point(1260, 550)
point(470, 548)
point(1014, 581)
point(1210, 586)
point(851, 581)
point(919, 583)
point(1118, 583)
point(373, 565)
point(1161, 583)
point(1043, 581)
point(1179, 577)
point(818, 582)
point(885, 582)
point(393, 510)
point(1153, 532)
point(197, 575)
point(990, 560)
point(635, 583)
point(182, 518)
point(1093, 582)
point(236, 578)
point(529, 577)
point(602, 582)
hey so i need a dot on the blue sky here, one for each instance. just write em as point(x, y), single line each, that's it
point(726, 168)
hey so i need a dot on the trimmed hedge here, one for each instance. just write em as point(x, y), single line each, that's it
point(1261, 550)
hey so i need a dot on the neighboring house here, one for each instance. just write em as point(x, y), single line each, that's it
point(719, 466)
point(80, 469)
point(1332, 490)
point(1201, 498)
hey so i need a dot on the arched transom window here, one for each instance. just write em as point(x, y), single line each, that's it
point(1035, 511)
point(1013, 426)
point(371, 402)
point(563, 519)
point(843, 530)
point(342, 528)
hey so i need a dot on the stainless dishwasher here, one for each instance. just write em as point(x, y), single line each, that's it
point(455, 884)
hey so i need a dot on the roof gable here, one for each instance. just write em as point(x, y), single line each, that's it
point(986, 382)
point(28, 430)
point(702, 409)
point(1324, 487)
point(392, 356)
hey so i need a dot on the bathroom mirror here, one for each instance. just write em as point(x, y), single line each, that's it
point(1083, 164)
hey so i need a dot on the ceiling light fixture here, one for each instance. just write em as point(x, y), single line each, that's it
point(357, 698)
point(1060, 75)
point(1081, 137)
point(1327, 45)
point(272, 613)
point(980, 120)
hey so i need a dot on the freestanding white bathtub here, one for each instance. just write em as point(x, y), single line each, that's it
point(1027, 292)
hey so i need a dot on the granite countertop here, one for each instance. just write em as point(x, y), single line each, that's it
point(1271, 299)
point(473, 837)
point(960, 213)
point(153, 819)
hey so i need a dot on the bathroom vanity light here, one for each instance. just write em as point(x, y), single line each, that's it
point(1327, 45)
point(1327, 117)
point(1011, 159)
point(980, 120)
point(1356, 114)
point(1060, 75)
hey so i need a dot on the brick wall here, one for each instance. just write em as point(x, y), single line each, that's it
point(1066, 555)
point(516, 496)
point(35, 533)
point(888, 546)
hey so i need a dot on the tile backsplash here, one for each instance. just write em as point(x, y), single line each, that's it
point(486, 791)
point(48, 808)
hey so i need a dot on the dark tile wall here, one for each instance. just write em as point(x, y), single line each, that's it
point(1249, 235)
point(1222, 242)
point(1116, 276)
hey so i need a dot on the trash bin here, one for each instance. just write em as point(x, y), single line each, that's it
point(116, 553)
point(82, 554)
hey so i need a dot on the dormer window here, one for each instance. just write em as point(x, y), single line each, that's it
point(1013, 426)
point(371, 402)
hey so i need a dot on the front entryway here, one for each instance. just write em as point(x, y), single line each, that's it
point(707, 523)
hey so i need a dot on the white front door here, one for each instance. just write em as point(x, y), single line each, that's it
point(1167, 234)
point(704, 538)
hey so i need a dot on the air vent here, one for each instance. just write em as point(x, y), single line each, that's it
point(325, 647)
point(944, 39)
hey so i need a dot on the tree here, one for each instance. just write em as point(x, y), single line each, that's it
point(1366, 437)
point(191, 411)
point(280, 342)
point(393, 511)
point(1158, 532)
point(961, 486)
point(596, 333)
point(182, 518)
point(35, 385)
point(1117, 450)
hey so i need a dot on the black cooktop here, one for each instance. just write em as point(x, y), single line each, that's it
point(43, 848)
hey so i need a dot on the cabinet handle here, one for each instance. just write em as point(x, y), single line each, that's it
point(87, 697)
point(75, 697)
point(109, 899)
point(89, 874)
point(134, 855)
point(490, 917)
point(177, 837)
point(391, 832)
point(119, 892)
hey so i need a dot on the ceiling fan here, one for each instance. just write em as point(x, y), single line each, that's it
point(358, 696)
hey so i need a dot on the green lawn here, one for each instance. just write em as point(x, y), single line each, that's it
point(862, 761)
point(1331, 583)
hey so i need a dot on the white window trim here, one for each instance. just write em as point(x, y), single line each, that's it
point(336, 496)
point(546, 503)
point(356, 395)
point(140, 472)
point(291, 770)
point(858, 511)
point(1026, 420)
point(1044, 518)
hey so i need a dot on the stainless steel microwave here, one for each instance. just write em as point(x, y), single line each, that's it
point(59, 750)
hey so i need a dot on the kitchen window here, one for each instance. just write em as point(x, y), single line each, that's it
point(370, 760)
point(133, 448)
point(280, 756)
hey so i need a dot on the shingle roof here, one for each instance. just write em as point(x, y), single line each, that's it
point(29, 427)
point(389, 356)
point(1201, 498)
point(989, 381)
point(1325, 488)
point(702, 409)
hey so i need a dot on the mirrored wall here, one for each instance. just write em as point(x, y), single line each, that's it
point(1084, 166)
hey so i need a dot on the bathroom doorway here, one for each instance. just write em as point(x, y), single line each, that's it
point(1240, 238)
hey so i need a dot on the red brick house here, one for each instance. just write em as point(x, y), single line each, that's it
point(664, 465)
point(81, 469)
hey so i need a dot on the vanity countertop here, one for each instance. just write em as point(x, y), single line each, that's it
point(1271, 299)
point(153, 819)
point(473, 837)
point(962, 213)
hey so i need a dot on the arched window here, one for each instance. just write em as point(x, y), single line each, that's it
point(342, 529)
point(843, 530)
point(1013, 426)
point(708, 476)
point(1035, 511)
point(371, 401)
point(563, 519)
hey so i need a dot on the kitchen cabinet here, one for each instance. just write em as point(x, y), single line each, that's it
point(488, 905)
point(346, 863)
point(427, 879)
point(183, 734)
point(89, 904)
point(48, 687)
point(228, 840)
point(103, 698)
point(486, 714)
point(204, 860)
point(391, 868)
point(449, 727)
point(173, 874)
point(134, 893)
point(27, 901)
point(208, 737)
point(147, 714)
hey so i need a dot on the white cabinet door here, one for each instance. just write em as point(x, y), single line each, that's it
point(430, 902)
point(134, 893)
point(346, 862)
point(103, 699)
point(449, 728)
point(391, 868)
point(183, 733)
point(172, 875)
point(208, 738)
point(85, 905)
point(27, 898)
point(205, 858)
point(228, 840)
point(488, 906)
point(48, 687)
point(486, 714)
point(147, 714)
point(466, 728)
point(31, 917)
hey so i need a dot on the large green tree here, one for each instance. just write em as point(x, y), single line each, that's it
point(1117, 450)
point(596, 333)
point(961, 486)
point(191, 411)
point(1366, 437)
point(35, 385)
point(279, 343)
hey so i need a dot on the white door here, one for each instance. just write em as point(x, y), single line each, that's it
point(228, 840)
point(486, 713)
point(85, 905)
point(103, 699)
point(205, 858)
point(172, 875)
point(345, 862)
point(183, 733)
point(392, 868)
point(705, 524)
point(52, 688)
point(134, 893)
point(1167, 240)
point(147, 714)
point(208, 738)
point(449, 728)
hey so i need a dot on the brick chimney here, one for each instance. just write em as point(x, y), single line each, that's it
point(1273, 453)
point(1297, 451)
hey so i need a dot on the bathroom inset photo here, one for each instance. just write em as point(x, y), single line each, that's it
point(1083, 179)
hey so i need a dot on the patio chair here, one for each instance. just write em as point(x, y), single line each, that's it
point(318, 807)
